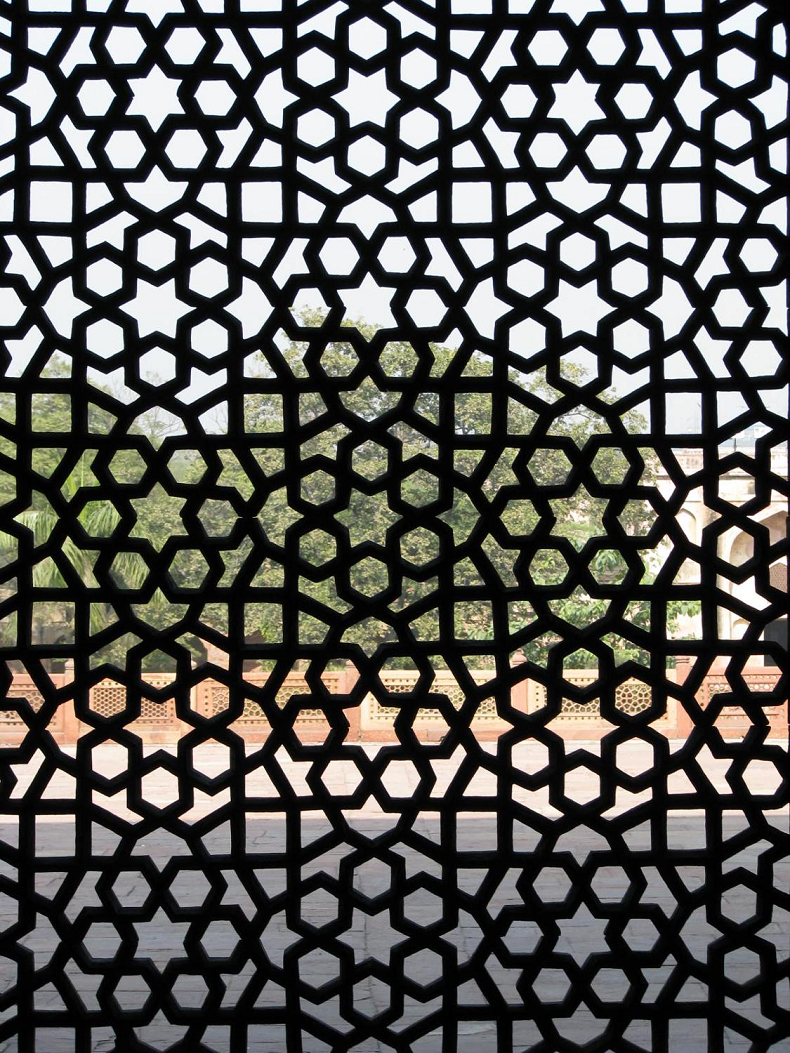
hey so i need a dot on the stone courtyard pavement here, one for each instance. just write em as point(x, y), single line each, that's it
point(370, 934)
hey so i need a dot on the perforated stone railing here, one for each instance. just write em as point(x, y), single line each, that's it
point(578, 718)
point(753, 688)
point(378, 718)
point(374, 718)
point(157, 720)
point(212, 698)
point(16, 720)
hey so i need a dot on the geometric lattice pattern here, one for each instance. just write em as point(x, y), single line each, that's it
point(383, 345)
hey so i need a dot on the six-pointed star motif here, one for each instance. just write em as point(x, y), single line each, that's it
point(156, 308)
point(155, 97)
point(575, 103)
point(579, 309)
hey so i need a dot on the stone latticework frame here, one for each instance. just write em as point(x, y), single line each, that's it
point(558, 230)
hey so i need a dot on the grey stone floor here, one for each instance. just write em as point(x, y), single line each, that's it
point(373, 932)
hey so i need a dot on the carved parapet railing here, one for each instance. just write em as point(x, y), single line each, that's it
point(213, 698)
point(16, 719)
point(378, 716)
point(373, 719)
point(583, 720)
point(157, 720)
point(733, 718)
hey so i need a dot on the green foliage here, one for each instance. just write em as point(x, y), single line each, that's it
point(407, 390)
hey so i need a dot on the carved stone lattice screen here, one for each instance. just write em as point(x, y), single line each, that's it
point(394, 568)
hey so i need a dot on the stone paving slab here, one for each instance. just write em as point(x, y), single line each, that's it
point(372, 933)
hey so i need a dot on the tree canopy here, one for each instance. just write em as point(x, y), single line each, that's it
point(356, 504)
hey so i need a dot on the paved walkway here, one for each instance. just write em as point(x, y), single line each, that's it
point(253, 858)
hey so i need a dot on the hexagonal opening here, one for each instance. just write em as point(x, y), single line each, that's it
point(399, 779)
point(423, 967)
point(609, 567)
point(188, 569)
point(611, 985)
point(186, 148)
point(369, 576)
point(419, 128)
point(631, 339)
point(367, 155)
point(640, 934)
point(339, 255)
point(547, 149)
point(131, 888)
point(187, 466)
point(548, 567)
point(156, 249)
point(95, 97)
point(519, 517)
point(630, 277)
point(606, 46)
point(209, 338)
point(99, 518)
point(606, 151)
point(125, 149)
point(522, 936)
point(102, 940)
point(398, 359)
point(735, 68)
point(551, 985)
point(579, 366)
point(758, 254)
point(418, 68)
point(317, 487)
point(420, 488)
point(369, 460)
point(218, 517)
point(208, 278)
point(634, 101)
point(220, 939)
point(129, 570)
point(159, 788)
point(318, 967)
point(319, 908)
point(371, 997)
point(158, 367)
point(526, 277)
point(315, 67)
point(549, 467)
point(104, 338)
point(577, 251)
point(423, 907)
point(190, 888)
point(552, 884)
point(127, 466)
point(366, 38)
point(548, 47)
point(419, 546)
point(184, 45)
point(215, 97)
point(610, 465)
point(317, 547)
point(731, 309)
point(131, 993)
point(732, 129)
point(125, 44)
point(315, 128)
point(610, 883)
point(581, 785)
point(190, 991)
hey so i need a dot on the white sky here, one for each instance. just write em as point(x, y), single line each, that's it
point(578, 306)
